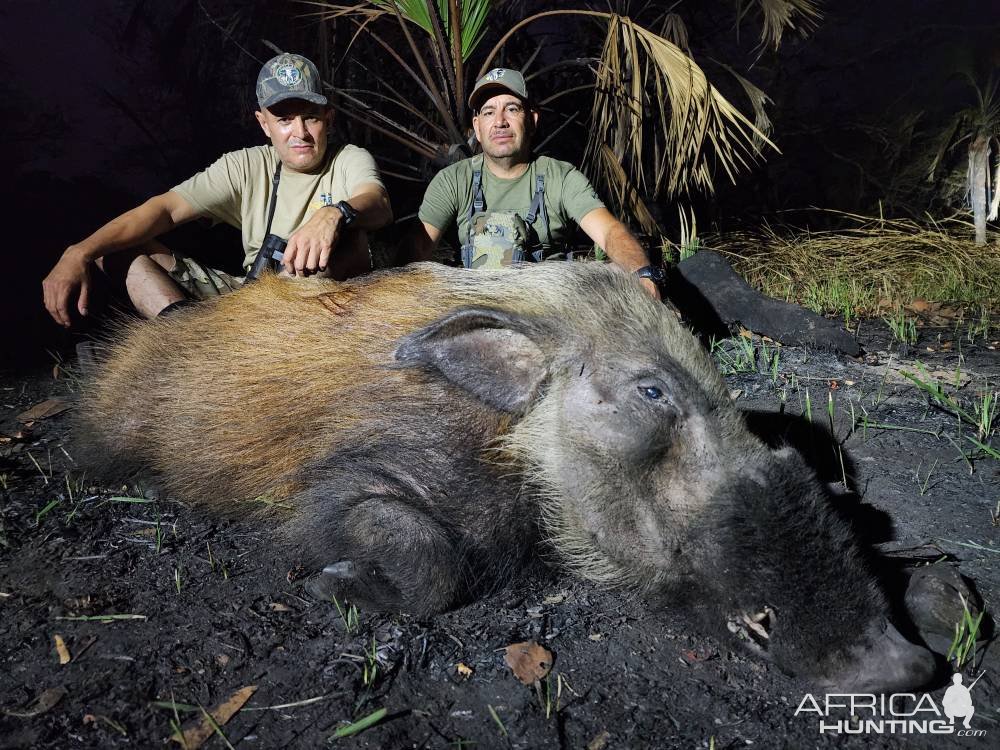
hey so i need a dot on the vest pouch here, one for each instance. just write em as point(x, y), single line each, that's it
point(499, 239)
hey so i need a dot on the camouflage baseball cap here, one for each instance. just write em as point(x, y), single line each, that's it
point(288, 76)
point(495, 82)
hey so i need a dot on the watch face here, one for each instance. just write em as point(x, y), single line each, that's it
point(652, 273)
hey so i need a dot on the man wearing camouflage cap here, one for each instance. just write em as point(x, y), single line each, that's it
point(510, 205)
point(300, 188)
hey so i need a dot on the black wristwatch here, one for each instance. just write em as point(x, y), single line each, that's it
point(348, 211)
point(653, 273)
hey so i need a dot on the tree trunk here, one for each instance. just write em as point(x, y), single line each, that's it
point(979, 153)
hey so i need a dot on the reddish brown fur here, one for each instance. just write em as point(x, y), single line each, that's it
point(286, 377)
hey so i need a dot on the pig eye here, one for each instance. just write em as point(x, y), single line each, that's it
point(651, 392)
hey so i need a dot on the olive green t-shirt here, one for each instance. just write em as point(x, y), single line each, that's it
point(236, 190)
point(569, 196)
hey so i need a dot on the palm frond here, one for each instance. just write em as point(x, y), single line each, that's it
point(758, 101)
point(473, 15)
point(674, 29)
point(647, 87)
point(777, 16)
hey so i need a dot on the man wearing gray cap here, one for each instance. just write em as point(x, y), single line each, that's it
point(511, 206)
point(318, 195)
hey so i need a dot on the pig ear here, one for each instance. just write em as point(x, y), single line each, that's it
point(489, 353)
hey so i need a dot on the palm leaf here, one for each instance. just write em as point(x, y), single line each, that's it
point(777, 16)
point(472, 25)
point(647, 87)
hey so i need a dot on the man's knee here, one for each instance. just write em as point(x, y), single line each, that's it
point(118, 265)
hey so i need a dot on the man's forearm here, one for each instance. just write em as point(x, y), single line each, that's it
point(373, 207)
point(624, 249)
point(154, 217)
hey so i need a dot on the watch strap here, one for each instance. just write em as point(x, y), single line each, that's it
point(652, 273)
point(350, 214)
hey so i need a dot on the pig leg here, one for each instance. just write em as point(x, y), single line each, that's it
point(390, 556)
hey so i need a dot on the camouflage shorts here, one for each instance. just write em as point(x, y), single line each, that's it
point(201, 282)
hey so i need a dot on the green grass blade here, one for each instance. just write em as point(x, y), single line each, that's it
point(361, 724)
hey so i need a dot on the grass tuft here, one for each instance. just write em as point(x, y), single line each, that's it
point(963, 645)
point(874, 266)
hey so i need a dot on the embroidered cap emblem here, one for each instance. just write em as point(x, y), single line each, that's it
point(288, 75)
point(495, 75)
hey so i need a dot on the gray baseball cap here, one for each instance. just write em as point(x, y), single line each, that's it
point(288, 76)
point(495, 82)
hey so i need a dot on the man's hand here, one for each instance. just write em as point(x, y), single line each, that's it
point(71, 275)
point(652, 289)
point(67, 282)
point(309, 247)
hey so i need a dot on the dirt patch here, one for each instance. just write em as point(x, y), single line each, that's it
point(204, 610)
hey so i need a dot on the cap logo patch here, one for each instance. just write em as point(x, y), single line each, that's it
point(495, 75)
point(288, 75)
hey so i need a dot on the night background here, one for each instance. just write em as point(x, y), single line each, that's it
point(109, 103)
point(840, 475)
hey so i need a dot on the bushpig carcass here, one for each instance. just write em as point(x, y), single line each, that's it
point(430, 428)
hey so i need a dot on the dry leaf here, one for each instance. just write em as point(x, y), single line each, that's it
point(735, 394)
point(44, 410)
point(600, 741)
point(194, 737)
point(222, 660)
point(556, 598)
point(689, 655)
point(464, 670)
point(44, 702)
point(596, 636)
point(528, 661)
point(279, 607)
point(919, 306)
point(64, 657)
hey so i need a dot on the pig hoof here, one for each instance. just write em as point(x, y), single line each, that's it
point(331, 581)
point(342, 569)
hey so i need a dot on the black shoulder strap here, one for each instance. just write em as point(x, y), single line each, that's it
point(274, 198)
point(538, 210)
point(478, 199)
point(538, 203)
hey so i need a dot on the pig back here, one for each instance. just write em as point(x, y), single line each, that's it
point(232, 399)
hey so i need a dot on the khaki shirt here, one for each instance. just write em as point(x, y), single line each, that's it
point(236, 190)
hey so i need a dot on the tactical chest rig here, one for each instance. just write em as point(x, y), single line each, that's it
point(502, 238)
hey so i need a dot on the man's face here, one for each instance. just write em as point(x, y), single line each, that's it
point(298, 131)
point(504, 126)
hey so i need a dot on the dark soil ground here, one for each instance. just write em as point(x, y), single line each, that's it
point(214, 611)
